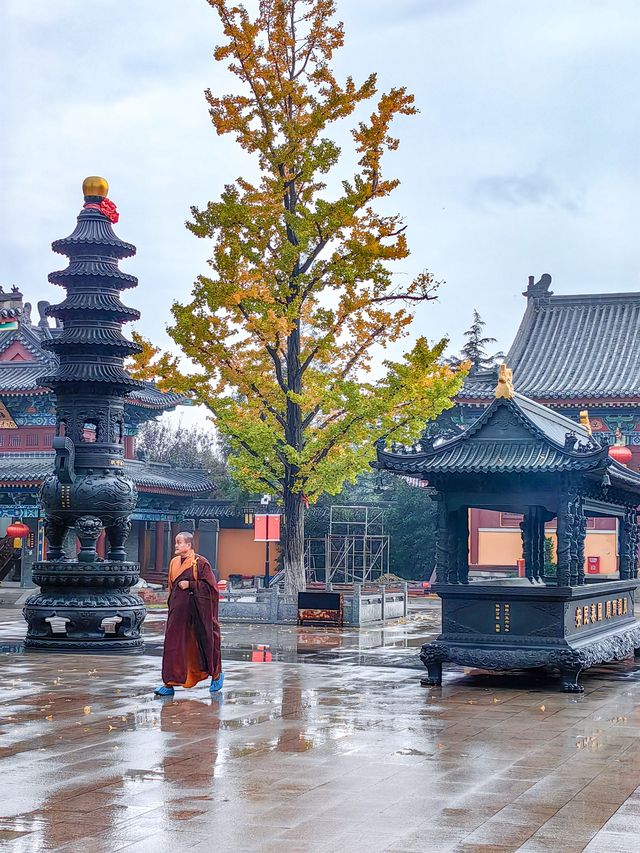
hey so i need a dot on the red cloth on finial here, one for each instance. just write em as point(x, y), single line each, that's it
point(108, 208)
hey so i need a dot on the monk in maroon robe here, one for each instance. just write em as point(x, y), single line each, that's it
point(192, 636)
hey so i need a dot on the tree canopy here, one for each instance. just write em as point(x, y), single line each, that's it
point(284, 332)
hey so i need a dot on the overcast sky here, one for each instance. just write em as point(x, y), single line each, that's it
point(523, 159)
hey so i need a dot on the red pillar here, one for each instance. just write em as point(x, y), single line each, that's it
point(175, 529)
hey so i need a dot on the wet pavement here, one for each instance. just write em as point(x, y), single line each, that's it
point(331, 746)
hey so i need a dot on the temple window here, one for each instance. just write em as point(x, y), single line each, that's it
point(32, 439)
point(15, 440)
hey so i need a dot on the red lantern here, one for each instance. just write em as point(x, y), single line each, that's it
point(620, 453)
point(17, 530)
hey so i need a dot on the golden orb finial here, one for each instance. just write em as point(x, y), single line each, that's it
point(504, 388)
point(95, 185)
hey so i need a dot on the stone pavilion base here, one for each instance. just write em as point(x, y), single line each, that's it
point(514, 625)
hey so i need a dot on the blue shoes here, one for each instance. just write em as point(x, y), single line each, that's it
point(214, 687)
point(216, 683)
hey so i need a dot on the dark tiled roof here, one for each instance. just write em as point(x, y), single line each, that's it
point(228, 509)
point(158, 475)
point(212, 509)
point(148, 476)
point(582, 347)
point(84, 370)
point(96, 336)
point(27, 376)
point(107, 303)
point(515, 435)
point(93, 229)
point(88, 269)
point(20, 377)
point(151, 397)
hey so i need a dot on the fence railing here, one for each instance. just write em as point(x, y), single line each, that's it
point(273, 606)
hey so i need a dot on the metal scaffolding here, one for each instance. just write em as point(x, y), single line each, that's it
point(355, 550)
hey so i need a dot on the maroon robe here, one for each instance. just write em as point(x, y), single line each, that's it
point(192, 636)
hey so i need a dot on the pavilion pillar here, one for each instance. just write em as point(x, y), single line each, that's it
point(573, 542)
point(581, 535)
point(525, 535)
point(532, 532)
point(565, 532)
point(628, 545)
point(446, 564)
point(538, 543)
point(572, 530)
point(461, 544)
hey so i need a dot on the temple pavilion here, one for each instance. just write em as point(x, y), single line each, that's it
point(27, 428)
point(571, 353)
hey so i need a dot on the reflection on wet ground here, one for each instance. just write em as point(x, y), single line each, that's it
point(313, 758)
point(396, 644)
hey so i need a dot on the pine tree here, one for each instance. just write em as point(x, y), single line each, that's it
point(474, 350)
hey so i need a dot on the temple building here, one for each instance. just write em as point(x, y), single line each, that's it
point(27, 429)
point(572, 353)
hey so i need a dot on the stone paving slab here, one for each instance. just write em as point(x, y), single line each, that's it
point(300, 757)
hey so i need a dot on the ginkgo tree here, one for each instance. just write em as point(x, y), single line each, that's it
point(281, 336)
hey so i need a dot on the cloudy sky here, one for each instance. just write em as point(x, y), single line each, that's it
point(523, 159)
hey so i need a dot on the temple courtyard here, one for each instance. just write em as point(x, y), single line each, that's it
point(331, 745)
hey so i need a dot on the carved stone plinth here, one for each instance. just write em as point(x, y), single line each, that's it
point(85, 607)
point(512, 626)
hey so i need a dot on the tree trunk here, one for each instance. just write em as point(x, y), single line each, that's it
point(294, 579)
point(293, 557)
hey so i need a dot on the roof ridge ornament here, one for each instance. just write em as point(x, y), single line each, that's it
point(540, 289)
point(504, 388)
point(585, 422)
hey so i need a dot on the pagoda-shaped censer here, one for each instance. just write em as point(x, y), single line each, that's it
point(84, 604)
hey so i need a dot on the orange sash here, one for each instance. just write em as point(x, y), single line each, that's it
point(177, 567)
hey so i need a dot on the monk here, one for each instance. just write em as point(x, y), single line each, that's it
point(192, 636)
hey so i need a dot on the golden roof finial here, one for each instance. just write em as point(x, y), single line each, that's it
point(95, 185)
point(504, 388)
point(584, 420)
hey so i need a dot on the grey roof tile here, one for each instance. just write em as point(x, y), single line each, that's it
point(514, 435)
point(34, 467)
point(572, 347)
